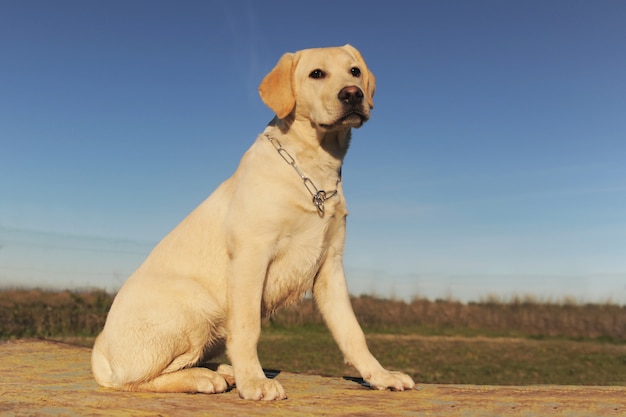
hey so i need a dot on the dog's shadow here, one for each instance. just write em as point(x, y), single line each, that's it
point(273, 373)
point(359, 381)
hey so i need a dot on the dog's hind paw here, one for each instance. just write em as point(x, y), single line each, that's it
point(213, 384)
point(226, 372)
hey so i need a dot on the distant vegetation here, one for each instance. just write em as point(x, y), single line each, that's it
point(47, 314)
point(514, 342)
point(518, 317)
point(40, 313)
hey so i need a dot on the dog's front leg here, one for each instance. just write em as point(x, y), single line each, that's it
point(244, 326)
point(333, 300)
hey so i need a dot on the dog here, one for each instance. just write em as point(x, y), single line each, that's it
point(269, 234)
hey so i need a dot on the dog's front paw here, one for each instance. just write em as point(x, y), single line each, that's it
point(261, 389)
point(395, 381)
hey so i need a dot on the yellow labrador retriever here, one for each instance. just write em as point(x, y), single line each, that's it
point(266, 236)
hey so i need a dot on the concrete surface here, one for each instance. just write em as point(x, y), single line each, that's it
point(41, 378)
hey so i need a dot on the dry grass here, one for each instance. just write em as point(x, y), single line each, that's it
point(516, 318)
point(40, 313)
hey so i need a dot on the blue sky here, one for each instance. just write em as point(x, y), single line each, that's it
point(494, 162)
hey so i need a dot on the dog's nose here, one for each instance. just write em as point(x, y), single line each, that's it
point(351, 95)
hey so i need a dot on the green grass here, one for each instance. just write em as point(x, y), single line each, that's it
point(457, 360)
point(515, 343)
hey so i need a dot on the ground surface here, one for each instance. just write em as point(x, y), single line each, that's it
point(47, 378)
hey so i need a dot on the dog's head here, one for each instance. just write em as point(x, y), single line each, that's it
point(331, 87)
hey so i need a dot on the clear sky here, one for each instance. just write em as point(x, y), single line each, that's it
point(494, 162)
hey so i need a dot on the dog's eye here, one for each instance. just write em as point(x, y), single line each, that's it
point(317, 73)
point(355, 72)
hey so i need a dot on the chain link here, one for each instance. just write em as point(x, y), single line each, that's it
point(319, 196)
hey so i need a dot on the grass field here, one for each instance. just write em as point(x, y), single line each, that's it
point(518, 342)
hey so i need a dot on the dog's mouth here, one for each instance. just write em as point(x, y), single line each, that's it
point(351, 118)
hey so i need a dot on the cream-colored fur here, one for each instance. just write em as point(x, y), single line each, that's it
point(257, 243)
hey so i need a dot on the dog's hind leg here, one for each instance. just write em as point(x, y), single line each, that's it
point(188, 380)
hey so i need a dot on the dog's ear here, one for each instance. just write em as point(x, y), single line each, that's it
point(369, 79)
point(276, 89)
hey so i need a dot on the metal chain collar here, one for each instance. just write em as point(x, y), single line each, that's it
point(319, 196)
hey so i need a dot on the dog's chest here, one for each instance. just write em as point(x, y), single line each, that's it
point(297, 260)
